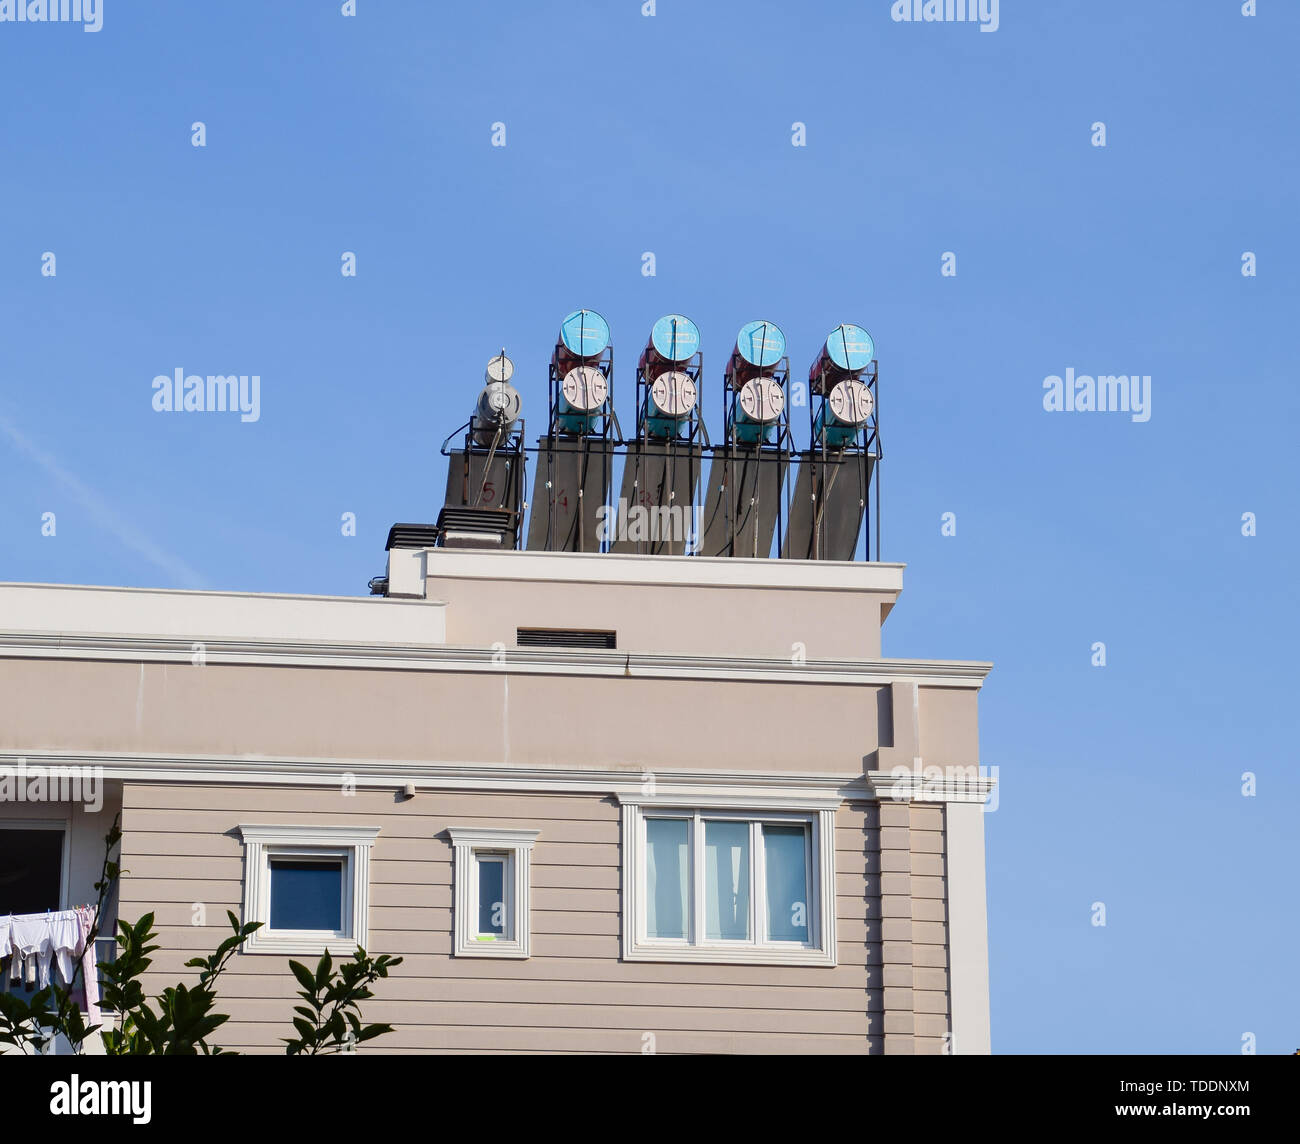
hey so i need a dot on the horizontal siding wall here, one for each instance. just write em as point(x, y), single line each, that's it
point(181, 848)
point(929, 929)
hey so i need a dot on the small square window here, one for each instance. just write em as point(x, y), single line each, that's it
point(309, 886)
point(307, 894)
point(491, 875)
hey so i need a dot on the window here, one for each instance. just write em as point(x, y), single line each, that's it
point(728, 885)
point(308, 894)
point(33, 877)
point(309, 886)
point(32, 865)
point(491, 877)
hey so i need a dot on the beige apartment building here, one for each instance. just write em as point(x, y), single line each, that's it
point(597, 802)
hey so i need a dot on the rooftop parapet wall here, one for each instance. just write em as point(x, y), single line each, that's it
point(777, 609)
point(71, 609)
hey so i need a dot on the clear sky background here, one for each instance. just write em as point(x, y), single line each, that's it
point(673, 134)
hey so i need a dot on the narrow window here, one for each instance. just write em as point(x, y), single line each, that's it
point(493, 912)
point(785, 857)
point(490, 877)
point(726, 881)
point(668, 872)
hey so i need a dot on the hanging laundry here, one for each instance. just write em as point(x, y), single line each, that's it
point(30, 935)
point(65, 940)
point(34, 940)
point(89, 971)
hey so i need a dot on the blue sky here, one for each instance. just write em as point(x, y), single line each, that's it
point(672, 134)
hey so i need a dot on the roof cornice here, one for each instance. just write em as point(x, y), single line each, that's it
point(514, 661)
point(632, 782)
point(637, 785)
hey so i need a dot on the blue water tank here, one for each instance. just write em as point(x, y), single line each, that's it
point(761, 344)
point(675, 338)
point(850, 348)
point(584, 334)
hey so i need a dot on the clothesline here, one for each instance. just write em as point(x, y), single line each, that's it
point(33, 941)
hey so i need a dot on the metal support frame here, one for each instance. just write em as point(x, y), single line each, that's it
point(682, 449)
point(832, 465)
point(743, 465)
point(505, 452)
point(597, 445)
point(749, 466)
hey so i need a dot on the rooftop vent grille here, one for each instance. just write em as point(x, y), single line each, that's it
point(476, 527)
point(412, 536)
point(565, 637)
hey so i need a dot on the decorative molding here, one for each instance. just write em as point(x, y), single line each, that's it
point(471, 660)
point(636, 948)
point(760, 790)
point(954, 784)
point(791, 798)
point(629, 871)
point(490, 838)
point(352, 844)
point(308, 835)
point(753, 787)
point(518, 844)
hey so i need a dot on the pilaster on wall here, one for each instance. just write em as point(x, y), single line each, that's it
point(968, 928)
point(914, 931)
point(897, 970)
point(930, 1001)
point(932, 896)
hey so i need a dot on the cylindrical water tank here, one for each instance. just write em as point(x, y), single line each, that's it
point(760, 346)
point(674, 339)
point(499, 406)
point(584, 335)
point(758, 408)
point(500, 368)
point(670, 400)
point(846, 409)
point(583, 394)
point(847, 351)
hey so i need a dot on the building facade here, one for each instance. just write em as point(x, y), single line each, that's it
point(597, 802)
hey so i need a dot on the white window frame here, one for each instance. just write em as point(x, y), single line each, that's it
point(821, 949)
point(349, 844)
point(516, 847)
